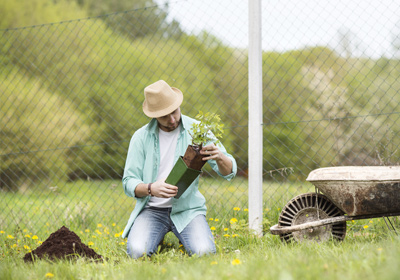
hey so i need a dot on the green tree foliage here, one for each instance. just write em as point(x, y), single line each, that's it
point(72, 93)
point(21, 13)
point(35, 127)
point(149, 17)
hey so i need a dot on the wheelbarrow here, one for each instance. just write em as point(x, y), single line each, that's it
point(341, 194)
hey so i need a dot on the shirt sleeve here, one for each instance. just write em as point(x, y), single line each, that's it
point(214, 164)
point(133, 172)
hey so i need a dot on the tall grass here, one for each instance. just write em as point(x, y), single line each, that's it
point(369, 251)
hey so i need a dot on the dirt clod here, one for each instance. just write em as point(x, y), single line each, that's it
point(62, 244)
point(193, 158)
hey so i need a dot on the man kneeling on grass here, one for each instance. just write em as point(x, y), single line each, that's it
point(152, 153)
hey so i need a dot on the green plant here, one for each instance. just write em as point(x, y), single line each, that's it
point(208, 129)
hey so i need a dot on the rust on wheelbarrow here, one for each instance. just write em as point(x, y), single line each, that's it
point(360, 190)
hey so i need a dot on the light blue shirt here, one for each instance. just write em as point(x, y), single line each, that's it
point(142, 165)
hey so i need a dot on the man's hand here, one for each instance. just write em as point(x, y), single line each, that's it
point(212, 152)
point(158, 189)
point(162, 189)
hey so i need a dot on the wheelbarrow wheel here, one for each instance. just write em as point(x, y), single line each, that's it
point(311, 207)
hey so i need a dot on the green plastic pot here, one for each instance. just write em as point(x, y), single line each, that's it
point(182, 176)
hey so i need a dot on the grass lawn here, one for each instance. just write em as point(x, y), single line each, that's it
point(369, 251)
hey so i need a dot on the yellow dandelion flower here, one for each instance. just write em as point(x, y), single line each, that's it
point(235, 235)
point(27, 235)
point(246, 210)
point(90, 243)
point(225, 229)
point(213, 263)
point(10, 236)
point(226, 235)
point(114, 224)
point(365, 226)
point(94, 236)
point(98, 232)
point(233, 221)
point(217, 220)
point(49, 275)
point(116, 235)
point(236, 209)
point(25, 230)
point(99, 225)
point(35, 237)
point(236, 262)
point(266, 209)
point(371, 222)
point(121, 243)
point(213, 228)
point(211, 219)
point(39, 242)
point(2, 231)
point(27, 247)
point(87, 230)
point(14, 245)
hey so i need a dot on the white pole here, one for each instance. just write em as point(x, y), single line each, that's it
point(255, 118)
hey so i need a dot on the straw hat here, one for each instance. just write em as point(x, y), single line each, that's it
point(161, 99)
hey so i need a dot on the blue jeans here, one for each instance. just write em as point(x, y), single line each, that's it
point(153, 224)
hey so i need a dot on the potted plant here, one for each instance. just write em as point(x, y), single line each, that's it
point(188, 167)
point(202, 133)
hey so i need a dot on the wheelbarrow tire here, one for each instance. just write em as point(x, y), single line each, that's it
point(311, 207)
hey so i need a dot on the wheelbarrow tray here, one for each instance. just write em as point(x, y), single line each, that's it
point(360, 190)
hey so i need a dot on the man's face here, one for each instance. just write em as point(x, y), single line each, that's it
point(170, 122)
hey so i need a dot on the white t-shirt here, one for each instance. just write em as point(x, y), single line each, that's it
point(168, 142)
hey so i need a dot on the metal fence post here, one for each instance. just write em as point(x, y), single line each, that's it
point(255, 117)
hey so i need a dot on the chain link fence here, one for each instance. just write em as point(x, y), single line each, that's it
point(72, 93)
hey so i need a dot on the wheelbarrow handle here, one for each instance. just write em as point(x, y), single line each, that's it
point(282, 230)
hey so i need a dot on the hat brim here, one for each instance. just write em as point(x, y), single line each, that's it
point(167, 110)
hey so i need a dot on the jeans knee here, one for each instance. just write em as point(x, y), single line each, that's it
point(205, 251)
point(202, 249)
point(135, 251)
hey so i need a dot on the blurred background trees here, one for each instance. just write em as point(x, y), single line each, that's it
point(72, 92)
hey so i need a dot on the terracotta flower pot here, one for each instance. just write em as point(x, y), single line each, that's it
point(193, 158)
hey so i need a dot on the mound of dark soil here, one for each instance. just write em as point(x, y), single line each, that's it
point(62, 244)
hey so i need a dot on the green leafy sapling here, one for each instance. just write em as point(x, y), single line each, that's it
point(209, 129)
